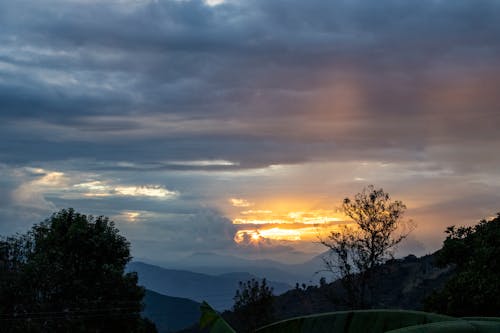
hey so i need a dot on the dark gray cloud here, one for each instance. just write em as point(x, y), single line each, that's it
point(200, 99)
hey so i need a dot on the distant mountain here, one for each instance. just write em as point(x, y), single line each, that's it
point(216, 290)
point(170, 314)
point(215, 264)
point(312, 269)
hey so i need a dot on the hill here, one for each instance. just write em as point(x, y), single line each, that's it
point(218, 290)
point(170, 314)
point(398, 284)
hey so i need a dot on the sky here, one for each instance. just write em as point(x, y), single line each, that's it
point(237, 127)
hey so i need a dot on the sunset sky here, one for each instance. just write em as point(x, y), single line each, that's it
point(237, 127)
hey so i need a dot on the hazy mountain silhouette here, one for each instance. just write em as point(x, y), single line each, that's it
point(170, 313)
point(218, 290)
point(215, 264)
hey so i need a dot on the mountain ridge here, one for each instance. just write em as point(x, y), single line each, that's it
point(169, 313)
point(216, 264)
point(216, 289)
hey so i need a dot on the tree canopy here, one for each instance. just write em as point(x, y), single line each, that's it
point(68, 272)
point(474, 290)
point(253, 305)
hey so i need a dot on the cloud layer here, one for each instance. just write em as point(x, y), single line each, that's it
point(199, 102)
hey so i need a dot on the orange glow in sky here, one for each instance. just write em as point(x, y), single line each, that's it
point(277, 233)
point(282, 224)
point(302, 217)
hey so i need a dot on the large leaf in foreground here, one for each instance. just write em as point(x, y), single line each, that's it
point(490, 325)
point(363, 321)
point(212, 320)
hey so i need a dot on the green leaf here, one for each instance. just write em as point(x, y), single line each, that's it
point(458, 326)
point(363, 321)
point(211, 319)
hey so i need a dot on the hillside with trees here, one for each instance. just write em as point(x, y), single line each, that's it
point(398, 284)
point(475, 289)
point(460, 279)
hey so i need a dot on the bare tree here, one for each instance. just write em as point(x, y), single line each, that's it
point(253, 305)
point(356, 249)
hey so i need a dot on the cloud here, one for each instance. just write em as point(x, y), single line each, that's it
point(314, 80)
point(147, 191)
point(131, 103)
point(238, 202)
point(32, 193)
point(214, 2)
point(96, 188)
point(45, 190)
point(201, 230)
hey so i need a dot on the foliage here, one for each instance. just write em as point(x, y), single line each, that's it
point(253, 305)
point(356, 250)
point(67, 273)
point(474, 289)
point(361, 321)
point(456, 326)
point(212, 320)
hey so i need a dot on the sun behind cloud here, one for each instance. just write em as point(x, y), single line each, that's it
point(283, 223)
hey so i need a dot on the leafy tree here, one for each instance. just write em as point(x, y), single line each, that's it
point(356, 250)
point(474, 289)
point(253, 305)
point(68, 273)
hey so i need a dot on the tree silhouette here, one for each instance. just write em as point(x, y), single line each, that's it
point(356, 250)
point(68, 273)
point(253, 305)
point(474, 289)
